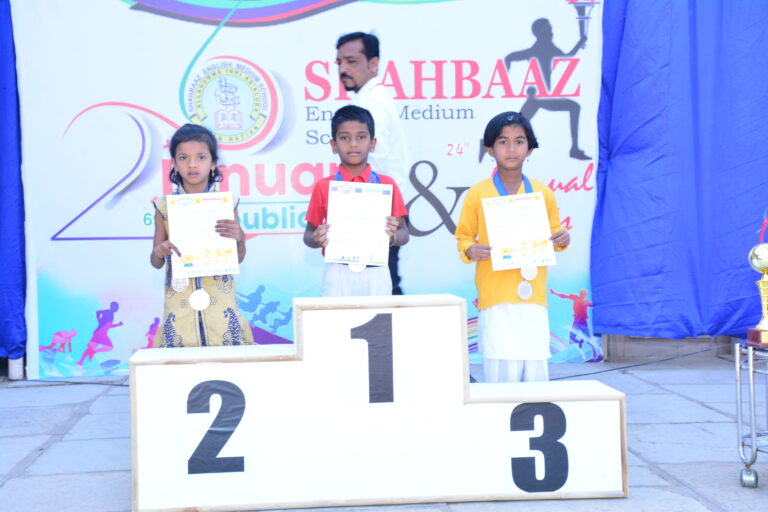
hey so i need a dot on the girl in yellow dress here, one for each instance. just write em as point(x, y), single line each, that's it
point(512, 319)
point(216, 320)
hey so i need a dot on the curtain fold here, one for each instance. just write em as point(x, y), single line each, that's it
point(13, 330)
point(683, 169)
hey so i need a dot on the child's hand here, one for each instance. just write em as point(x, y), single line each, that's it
point(392, 224)
point(479, 252)
point(164, 249)
point(561, 238)
point(230, 228)
point(321, 234)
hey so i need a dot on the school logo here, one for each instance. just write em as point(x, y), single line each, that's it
point(236, 99)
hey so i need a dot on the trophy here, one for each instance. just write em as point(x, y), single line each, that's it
point(758, 259)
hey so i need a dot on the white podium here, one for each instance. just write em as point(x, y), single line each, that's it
point(370, 406)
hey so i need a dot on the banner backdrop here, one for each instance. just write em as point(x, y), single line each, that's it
point(100, 103)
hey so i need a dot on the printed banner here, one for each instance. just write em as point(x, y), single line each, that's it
point(98, 109)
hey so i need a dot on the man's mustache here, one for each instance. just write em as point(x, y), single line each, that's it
point(344, 75)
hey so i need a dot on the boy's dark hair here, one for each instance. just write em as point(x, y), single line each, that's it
point(352, 113)
point(195, 132)
point(495, 125)
point(370, 43)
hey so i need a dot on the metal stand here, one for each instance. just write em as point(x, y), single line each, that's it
point(756, 440)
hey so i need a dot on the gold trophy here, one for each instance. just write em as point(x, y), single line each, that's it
point(758, 259)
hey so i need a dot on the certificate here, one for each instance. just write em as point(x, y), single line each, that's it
point(192, 228)
point(357, 216)
point(518, 231)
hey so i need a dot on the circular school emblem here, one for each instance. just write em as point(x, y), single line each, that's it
point(237, 100)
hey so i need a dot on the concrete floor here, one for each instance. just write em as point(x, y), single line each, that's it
point(65, 446)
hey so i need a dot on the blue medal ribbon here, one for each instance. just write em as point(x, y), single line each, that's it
point(198, 280)
point(374, 178)
point(503, 191)
point(179, 188)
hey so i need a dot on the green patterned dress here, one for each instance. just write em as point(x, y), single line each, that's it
point(218, 324)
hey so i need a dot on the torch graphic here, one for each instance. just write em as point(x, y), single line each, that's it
point(583, 15)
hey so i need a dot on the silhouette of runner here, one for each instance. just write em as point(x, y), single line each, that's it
point(251, 301)
point(533, 104)
point(545, 51)
point(279, 322)
point(100, 341)
point(151, 332)
point(266, 309)
point(580, 315)
point(63, 339)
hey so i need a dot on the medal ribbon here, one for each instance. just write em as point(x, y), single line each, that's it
point(178, 192)
point(503, 191)
point(198, 280)
point(374, 178)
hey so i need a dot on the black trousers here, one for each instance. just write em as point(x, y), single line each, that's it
point(394, 258)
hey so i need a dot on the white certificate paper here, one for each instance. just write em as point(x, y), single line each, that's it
point(518, 231)
point(192, 228)
point(357, 216)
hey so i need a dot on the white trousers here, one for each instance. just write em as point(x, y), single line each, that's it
point(339, 281)
point(514, 331)
point(512, 370)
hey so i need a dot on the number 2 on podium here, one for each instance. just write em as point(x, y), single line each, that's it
point(205, 458)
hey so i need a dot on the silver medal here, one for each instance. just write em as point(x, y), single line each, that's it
point(524, 290)
point(179, 284)
point(529, 273)
point(356, 267)
point(199, 300)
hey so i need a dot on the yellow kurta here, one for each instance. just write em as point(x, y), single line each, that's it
point(218, 324)
point(500, 286)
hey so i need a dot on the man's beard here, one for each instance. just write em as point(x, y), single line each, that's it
point(352, 87)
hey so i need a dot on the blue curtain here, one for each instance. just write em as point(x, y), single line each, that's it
point(13, 330)
point(683, 170)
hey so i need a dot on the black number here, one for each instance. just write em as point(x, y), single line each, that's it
point(555, 454)
point(205, 458)
point(378, 333)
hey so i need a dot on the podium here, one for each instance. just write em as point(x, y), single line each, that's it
point(371, 405)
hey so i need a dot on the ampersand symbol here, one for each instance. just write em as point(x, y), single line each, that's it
point(423, 191)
